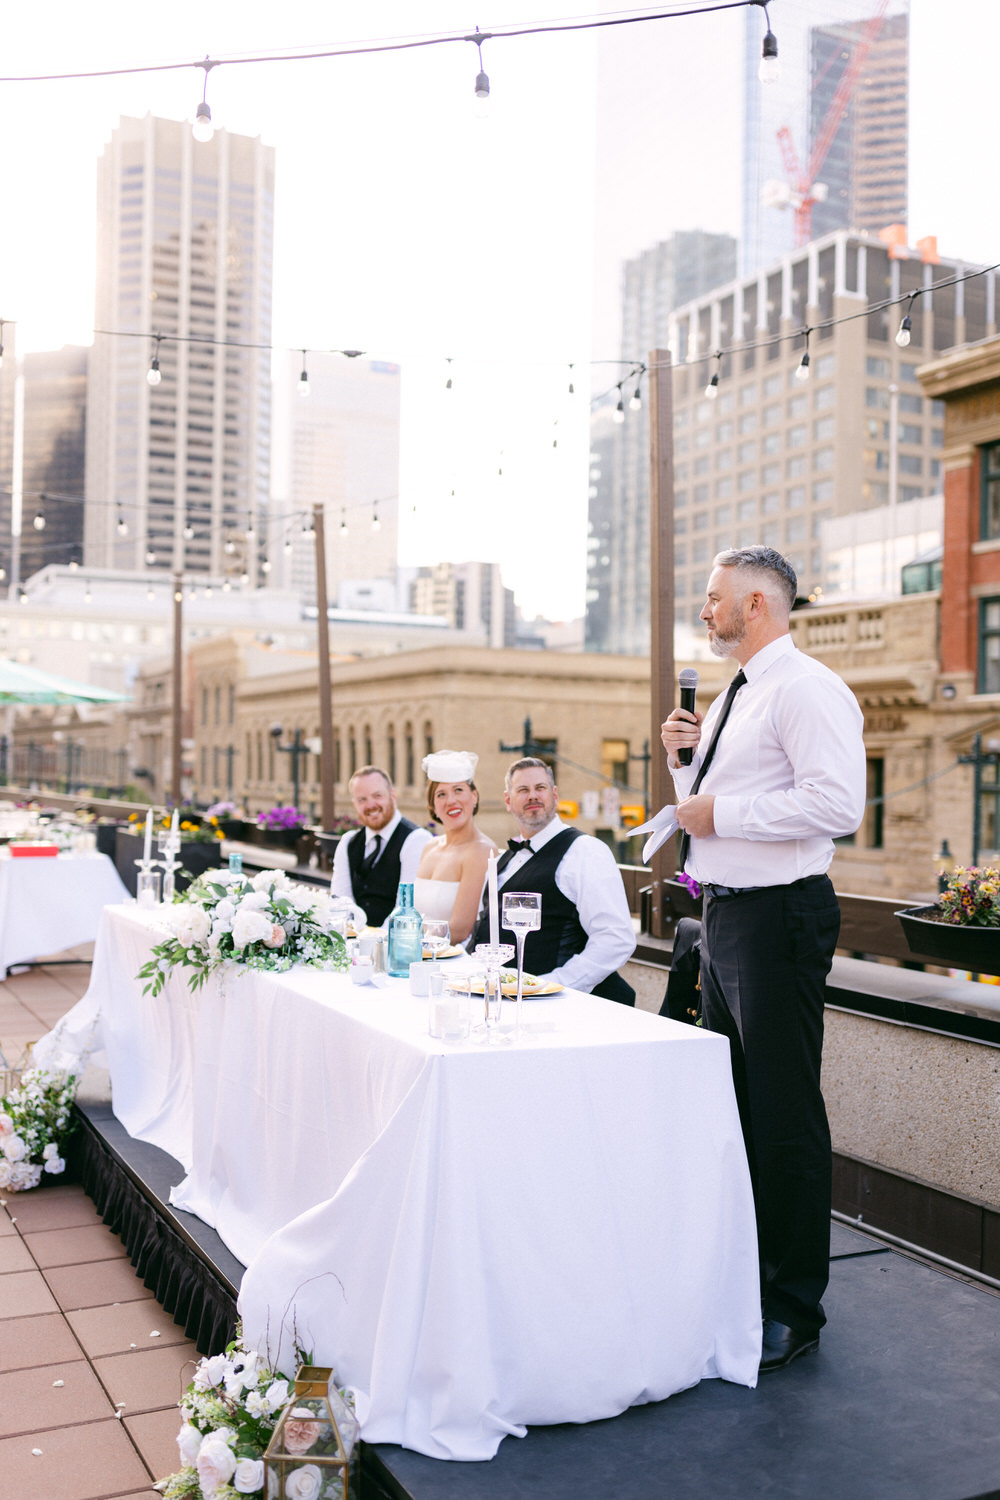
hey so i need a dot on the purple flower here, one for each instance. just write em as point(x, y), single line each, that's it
point(690, 883)
point(281, 817)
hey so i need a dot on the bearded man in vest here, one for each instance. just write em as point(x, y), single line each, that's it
point(586, 932)
point(370, 862)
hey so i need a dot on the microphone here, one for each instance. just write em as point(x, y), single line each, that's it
point(687, 681)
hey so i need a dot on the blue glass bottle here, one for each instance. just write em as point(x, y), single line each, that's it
point(406, 935)
point(235, 863)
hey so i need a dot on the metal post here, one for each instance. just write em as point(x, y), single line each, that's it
point(977, 796)
point(327, 765)
point(229, 752)
point(175, 747)
point(661, 600)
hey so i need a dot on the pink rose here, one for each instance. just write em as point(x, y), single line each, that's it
point(277, 936)
point(301, 1432)
point(6, 1125)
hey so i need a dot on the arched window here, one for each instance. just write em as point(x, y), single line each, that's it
point(336, 761)
point(428, 738)
point(391, 733)
point(352, 746)
point(369, 752)
point(411, 767)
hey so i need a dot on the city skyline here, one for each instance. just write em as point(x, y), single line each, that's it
point(408, 230)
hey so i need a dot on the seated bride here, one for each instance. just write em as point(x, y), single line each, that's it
point(452, 868)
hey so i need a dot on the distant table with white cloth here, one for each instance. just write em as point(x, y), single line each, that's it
point(48, 904)
point(478, 1239)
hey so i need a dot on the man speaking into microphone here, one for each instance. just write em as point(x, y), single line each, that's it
point(777, 773)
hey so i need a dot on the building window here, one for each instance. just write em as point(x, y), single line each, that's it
point(614, 761)
point(989, 525)
point(989, 646)
point(989, 806)
point(392, 754)
point(411, 763)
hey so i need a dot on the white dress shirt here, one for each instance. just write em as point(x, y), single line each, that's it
point(409, 855)
point(788, 776)
point(588, 876)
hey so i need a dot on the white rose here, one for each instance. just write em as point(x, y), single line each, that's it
point(276, 1395)
point(193, 926)
point(249, 1475)
point(25, 1176)
point(225, 911)
point(304, 1483)
point(6, 1125)
point(188, 1444)
point(55, 1164)
point(256, 1405)
point(5, 1171)
point(215, 1463)
point(250, 927)
point(14, 1148)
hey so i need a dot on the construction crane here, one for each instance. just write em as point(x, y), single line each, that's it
point(803, 187)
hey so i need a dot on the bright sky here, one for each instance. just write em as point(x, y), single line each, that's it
point(409, 229)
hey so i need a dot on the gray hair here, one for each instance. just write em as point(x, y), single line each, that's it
point(780, 577)
point(525, 764)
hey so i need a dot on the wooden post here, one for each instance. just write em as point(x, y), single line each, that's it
point(327, 763)
point(178, 686)
point(661, 605)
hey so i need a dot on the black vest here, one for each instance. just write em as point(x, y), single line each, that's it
point(376, 891)
point(561, 933)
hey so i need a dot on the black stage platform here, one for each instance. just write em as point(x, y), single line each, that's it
point(902, 1402)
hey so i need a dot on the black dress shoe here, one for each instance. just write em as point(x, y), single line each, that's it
point(782, 1344)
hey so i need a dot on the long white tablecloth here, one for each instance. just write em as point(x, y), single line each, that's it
point(477, 1239)
point(48, 904)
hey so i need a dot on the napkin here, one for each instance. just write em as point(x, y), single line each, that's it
point(659, 829)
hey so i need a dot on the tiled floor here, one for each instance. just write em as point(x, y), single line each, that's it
point(90, 1365)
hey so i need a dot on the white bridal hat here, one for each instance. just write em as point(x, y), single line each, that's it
point(450, 765)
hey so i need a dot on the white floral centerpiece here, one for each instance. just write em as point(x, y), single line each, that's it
point(267, 922)
point(34, 1122)
point(229, 1411)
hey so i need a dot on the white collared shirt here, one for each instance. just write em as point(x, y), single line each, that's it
point(588, 876)
point(409, 855)
point(788, 776)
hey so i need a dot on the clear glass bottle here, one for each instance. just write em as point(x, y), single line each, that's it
point(405, 935)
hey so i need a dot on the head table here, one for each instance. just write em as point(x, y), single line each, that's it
point(48, 905)
point(477, 1238)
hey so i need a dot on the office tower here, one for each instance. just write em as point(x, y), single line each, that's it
point(177, 471)
point(55, 417)
point(470, 596)
point(864, 168)
point(773, 456)
point(337, 446)
point(687, 265)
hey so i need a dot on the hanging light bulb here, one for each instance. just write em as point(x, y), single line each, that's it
point(208, 591)
point(189, 533)
point(376, 523)
point(905, 328)
point(802, 373)
point(122, 527)
point(244, 579)
point(265, 566)
point(447, 384)
point(39, 521)
point(482, 81)
point(150, 557)
point(712, 389)
point(571, 390)
point(619, 412)
point(150, 593)
point(770, 68)
point(288, 548)
point(227, 587)
point(251, 533)
point(303, 385)
point(153, 376)
point(203, 129)
point(343, 521)
point(229, 548)
point(635, 404)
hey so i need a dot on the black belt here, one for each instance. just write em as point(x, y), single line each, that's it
point(725, 892)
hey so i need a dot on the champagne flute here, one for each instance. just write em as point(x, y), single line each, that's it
point(522, 913)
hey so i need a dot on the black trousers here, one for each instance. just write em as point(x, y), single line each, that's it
point(765, 956)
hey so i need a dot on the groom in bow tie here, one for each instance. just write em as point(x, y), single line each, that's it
point(586, 932)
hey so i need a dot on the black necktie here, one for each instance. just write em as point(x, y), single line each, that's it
point(372, 855)
point(738, 681)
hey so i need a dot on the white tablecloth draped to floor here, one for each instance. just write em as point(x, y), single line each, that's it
point(48, 904)
point(477, 1239)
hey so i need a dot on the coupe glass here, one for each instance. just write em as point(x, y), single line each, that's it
point(437, 936)
point(522, 913)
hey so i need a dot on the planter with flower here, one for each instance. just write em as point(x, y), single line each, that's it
point(267, 922)
point(963, 930)
point(228, 817)
point(281, 827)
point(35, 1121)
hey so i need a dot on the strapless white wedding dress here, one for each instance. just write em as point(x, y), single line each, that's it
point(435, 898)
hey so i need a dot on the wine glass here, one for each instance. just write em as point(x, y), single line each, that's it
point(522, 913)
point(437, 936)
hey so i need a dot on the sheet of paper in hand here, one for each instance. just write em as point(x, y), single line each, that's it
point(659, 829)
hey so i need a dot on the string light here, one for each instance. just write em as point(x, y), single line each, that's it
point(447, 384)
point(343, 521)
point(482, 81)
point(906, 326)
point(303, 386)
point(39, 521)
point(802, 373)
point(229, 548)
point(153, 376)
point(635, 404)
point(571, 390)
point(150, 557)
point(376, 523)
point(265, 566)
point(619, 411)
point(122, 527)
point(189, 533)
point(770, 68)
point(203, 129)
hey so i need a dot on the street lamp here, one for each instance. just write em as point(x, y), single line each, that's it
point(298, 747)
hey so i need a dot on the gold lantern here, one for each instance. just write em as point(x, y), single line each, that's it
point(312, 1449)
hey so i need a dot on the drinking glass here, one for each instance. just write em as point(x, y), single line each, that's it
point(493, 956)
point(437, 936)
point(522, 913)
point(147, 891)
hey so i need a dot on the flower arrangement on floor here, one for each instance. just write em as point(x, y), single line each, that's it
point(229, 1411)
point(267, 922)
point(279, 818)
point(971, 897)
point(34, 1122)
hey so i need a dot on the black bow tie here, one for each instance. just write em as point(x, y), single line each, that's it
point(516, 845)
